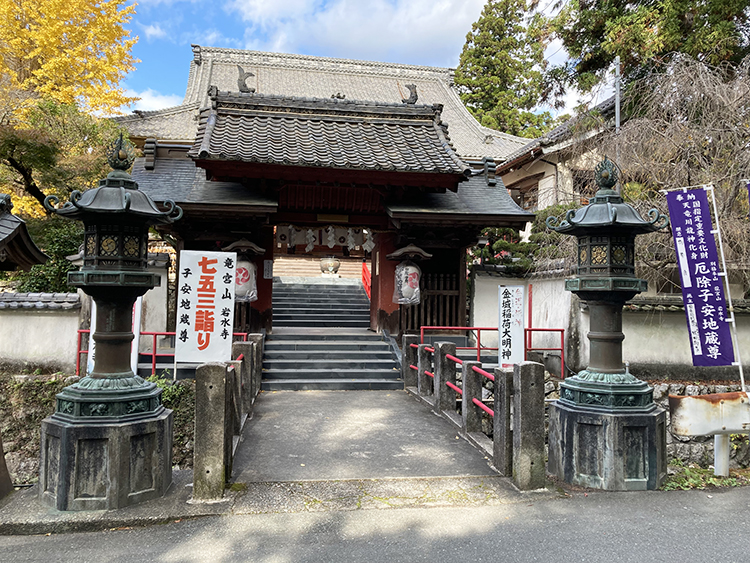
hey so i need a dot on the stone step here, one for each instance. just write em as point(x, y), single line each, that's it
point(332, 335)
point(323, 373)
point(302, 315)
point(324, 346)
point(331, 384)
point(330, 354)
point(318, 303)
point(291, 293)
point(332, 365)
point(324, 323)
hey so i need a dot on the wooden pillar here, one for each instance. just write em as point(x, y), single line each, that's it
point(261, 316)
point(384, 313)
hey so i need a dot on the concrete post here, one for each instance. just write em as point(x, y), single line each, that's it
point(258, 340)
point(502, 440)
point(472, 388)
point(247, 383)
point(424, 362)
point(209, 471)
point(528, 425)
point(445, 370)
point(409, 358)
point(6, 485)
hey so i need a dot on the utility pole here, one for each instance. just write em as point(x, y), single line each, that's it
point(617, 117)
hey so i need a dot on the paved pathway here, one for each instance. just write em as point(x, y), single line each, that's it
point(315, 435)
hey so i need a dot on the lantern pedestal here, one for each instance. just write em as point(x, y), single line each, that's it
point(615, 450)
point(105, 464)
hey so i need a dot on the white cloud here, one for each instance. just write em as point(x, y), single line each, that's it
point(152, 100)
point(432, 31)
point(154, 31)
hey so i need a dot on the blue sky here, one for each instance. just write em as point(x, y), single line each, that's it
point(422, 32)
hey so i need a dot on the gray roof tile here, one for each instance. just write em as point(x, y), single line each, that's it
point(325, 132)
point(320, 77)
point(38, 301)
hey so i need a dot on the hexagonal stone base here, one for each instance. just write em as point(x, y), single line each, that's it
point(102, 466)
point(614, 451)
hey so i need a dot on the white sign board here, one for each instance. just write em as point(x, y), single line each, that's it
point(205, 306)
point(510, 325)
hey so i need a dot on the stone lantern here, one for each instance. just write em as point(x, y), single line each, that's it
point(109, 442)
point(605, 430)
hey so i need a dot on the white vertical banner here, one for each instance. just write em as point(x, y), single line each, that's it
point(91, 356)
point(510, 325)
point(205, 306)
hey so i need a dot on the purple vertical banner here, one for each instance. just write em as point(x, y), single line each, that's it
point(702, 286)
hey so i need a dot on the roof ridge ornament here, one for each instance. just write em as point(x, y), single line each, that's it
point(413, 97)
point(242, 81)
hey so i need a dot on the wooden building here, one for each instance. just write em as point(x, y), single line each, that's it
point(297, 153)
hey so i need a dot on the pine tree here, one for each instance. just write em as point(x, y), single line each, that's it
point(640, 32)
point(500, 73)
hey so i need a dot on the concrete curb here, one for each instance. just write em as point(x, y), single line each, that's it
point(22, 514)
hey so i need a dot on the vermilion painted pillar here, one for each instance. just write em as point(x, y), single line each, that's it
point(384, 313)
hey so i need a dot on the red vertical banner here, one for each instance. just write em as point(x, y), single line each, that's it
point(205, 306)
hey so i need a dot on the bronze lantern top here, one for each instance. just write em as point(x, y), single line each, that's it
point(117, 195)
point(607, 212)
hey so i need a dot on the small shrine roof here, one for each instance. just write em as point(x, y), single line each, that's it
point(474, 202)
point(17, 250)
point(332, 133)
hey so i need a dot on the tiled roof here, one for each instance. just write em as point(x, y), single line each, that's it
point(474, 199)
point(674, 303)
point(38, 301)
point(180, 180)
point(17, 250)
point(565, 131)
point(331, 133)
point(319, 77)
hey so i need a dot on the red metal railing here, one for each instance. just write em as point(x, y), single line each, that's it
point(154, 354)
point(527, 332)
point(366, 279)
point(478, 330)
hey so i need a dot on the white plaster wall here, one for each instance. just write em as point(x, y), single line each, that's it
point(39, 338)
point(154, 309)
point(661, 337)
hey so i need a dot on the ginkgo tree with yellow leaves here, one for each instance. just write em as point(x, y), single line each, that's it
point(61, 62)
point(69, 51)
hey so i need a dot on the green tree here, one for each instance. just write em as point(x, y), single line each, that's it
point(57, 149)
point(58, 238)
point(640, 32)
point(500, 72)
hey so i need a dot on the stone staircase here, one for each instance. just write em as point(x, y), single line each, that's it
point(321, 339)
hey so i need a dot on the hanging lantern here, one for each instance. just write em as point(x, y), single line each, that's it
point(408, 278)
point(245, 285)
point(408, 275)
